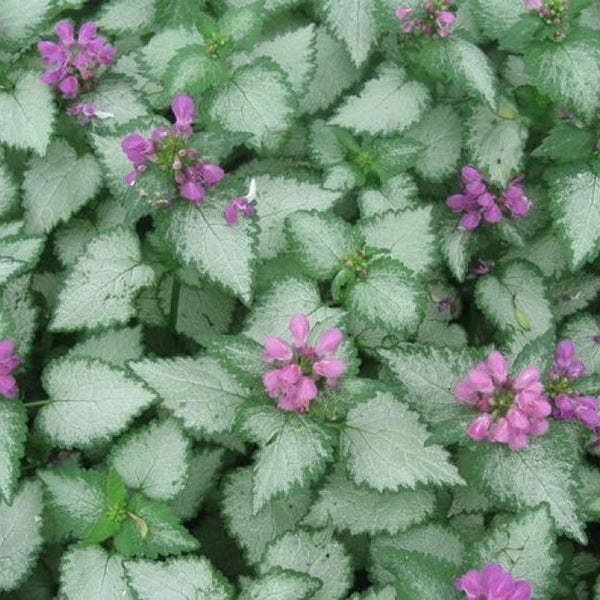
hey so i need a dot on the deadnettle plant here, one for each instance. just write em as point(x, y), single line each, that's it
point(300, 365)
point(310, 307)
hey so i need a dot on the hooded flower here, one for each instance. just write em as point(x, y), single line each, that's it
point(492, 583)
point(74, 64)
point(294, 383)
point(241, 203)
point(512, 409)
point(8, 363)
point(569, 404)
point(479, 204)
point(168, 149)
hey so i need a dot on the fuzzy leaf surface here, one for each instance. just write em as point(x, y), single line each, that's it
point(440, 133)
point(495, 143)
point(515, 300)
point(322, 241)
point(575, 204)
point(463, 63)
point(568, 72)
point(13, 432)
point(358, 509)
point(383, 446)
point(320, 558)
point(293, 450)
point(100, 289)
point(387, 102)
point(525, 546)
point(258, 100)
point(92, 574)
point(353, 22)
point(198, 391)
point(200, 236)
point(255, 531)
point(280, 584)
point(177, 579)
point(543, 472)
point(407, 234)
point(20, 534)
point(154, 460)
point(27, 114)
point(279, 197)
point(389, 297)
point(90, 401)
point(57, 186)
point(334, 73)
point(77, 496)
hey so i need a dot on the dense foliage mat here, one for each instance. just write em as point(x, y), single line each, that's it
point(299, 299)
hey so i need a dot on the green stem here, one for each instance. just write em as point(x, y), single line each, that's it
point(37, 403)
point(175, 292)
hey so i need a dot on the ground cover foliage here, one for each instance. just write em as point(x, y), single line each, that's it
point(299, 299)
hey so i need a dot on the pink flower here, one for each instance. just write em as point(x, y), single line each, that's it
point(210, 174)
point(8, 363)
point(512, 409)
point(241, 203)
point(87, 33)
point(492, 583)
point(73, 63)
point(86, 112)
point(68, 86)
point(184, 111)
point(192, 191)
point(515, 200)
point(330, 368)
point(445, 17)
point(294, 383)
point(564, 364)
point(277, 349)
point(403, 11)
point(329, 342)
point(137, 148)
point(534, 4)
point(65, 32)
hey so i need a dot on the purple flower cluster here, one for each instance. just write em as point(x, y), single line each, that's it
point(569, 403)
point(169, 150)
point(492, 583)
point(515, 409)
point(302, 365)
point(8, 363)
point(479, 203)
point(435, 20)
point(75, 64)
point(512, 409)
